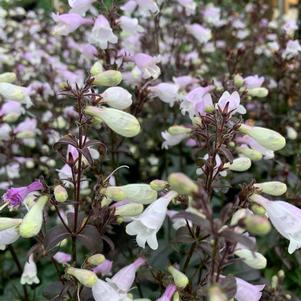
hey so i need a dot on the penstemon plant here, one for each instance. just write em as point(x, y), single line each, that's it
point(142, 149)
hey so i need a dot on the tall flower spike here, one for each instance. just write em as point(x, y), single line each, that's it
point(146, 225)
point(15, 196)
point(286, 218)
point(125, 278)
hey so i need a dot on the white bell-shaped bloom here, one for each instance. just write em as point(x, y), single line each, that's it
point(29, 275)
point(146, 225)
point(167, 92)
point(8, 236)
point(232, 101)
point(246, 291)
point(80, 6)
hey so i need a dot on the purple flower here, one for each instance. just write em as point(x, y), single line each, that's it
point(15, 196)
point(104, 268)
point(170, 290)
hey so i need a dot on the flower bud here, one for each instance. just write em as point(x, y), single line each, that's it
point(7, 77)
point(108, 78)
point(182, 184)
point(115, 193)
point(274, 188)
point(85, 277)
point(96, 259)
point(117, 97)
point(252, 154)
point(178, 130)
point(12, 92)
point(120, 122)
point(7, 222)
point(239, 164)
point(180, 279)
point(140, 193)
point(96, 68)
point(32, 221)
point(216, 294)
point(238, 215)
point(291, 133)
point(254, 260)
point(60, 194)
point(258, 92)
point(257, 225)
point(131, 209)
point(238, 80)
point(176, 297)
point(158, 185)
point(257, 209)
point(268, 138)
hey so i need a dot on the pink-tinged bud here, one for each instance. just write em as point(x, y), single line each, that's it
point(180, 279)
point(169, 292)
point(120, 122)
point(85, 277)
point(108, 78)
point(268, 138)
point(257, 225)
point(125, 278)
point(274, 188)
point(104, 268)
point(60, 193)
point(182, 184)
point(158, 185)
point(62, 258)
point(96, 259)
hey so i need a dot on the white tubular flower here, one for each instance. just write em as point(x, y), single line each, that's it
point(146, 225)
point(8, 236)
point(80, 6)
point(167, 92)
point(102, 33)
point(130, 26)
point(29, 275)
point(103, 291)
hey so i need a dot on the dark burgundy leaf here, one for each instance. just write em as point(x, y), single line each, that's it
point(54, 236)
point(235, 237)
point(228, 285)
point(196, 220)
point(90, 238)
point(68, 139)
point(224, 151)
point(226, 212)
point(86, 153)
point(183, 236)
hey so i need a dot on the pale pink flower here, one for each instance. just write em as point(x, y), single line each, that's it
point(253, 81)
point(167, 92)
point(147, 65)
point(202, 34)
point(146, 6)
point(62, 257)
point(104, 268)
point(80, 6)
point(246, 291)
point(232, 101)
point(169, 292)
point(293, 48)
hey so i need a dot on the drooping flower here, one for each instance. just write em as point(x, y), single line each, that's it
point(67, 23)
point(293, 48)
point(246, 291)
point(169, 292)
point(146, 225)
point(124, 278)
point(29, 275)
point(62, 257)
point(167, 92)
point(80, 6)
point(202, 34)
point(198, 101)
point(15, 196)
point(232, 101)
point(147, 65)
point(102, 33)
point(285, 217)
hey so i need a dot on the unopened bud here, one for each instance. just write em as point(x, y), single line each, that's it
point(252, 154)
point(274, 188)
point(60, 194)
point(215, 293)
point(281, 274)
point(96, 259)
point(158, 185)
point(12, 92)
point(178, 130)
point(176, 297)
point(180, 279)
point(96, 68)
point(108, 78)
point(128, 210)
point(268, 138)
point(85, 277)
point(117, 97)
point(258, 92)
point(257, 209)
point(180, 183)
point(239, 164)
point(238, 80)
point(274, 282)
point(7, 222)
point(291, 133)
point(7, 77)
point(139, 193)
point(32, 221)
point(120, 122)
point(254, 260)
point(257, 225)
point(115, 193)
